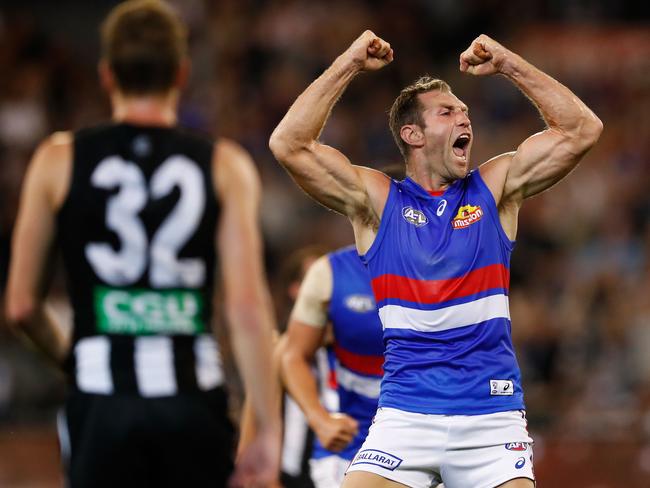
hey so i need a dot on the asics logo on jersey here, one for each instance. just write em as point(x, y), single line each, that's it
point(360, 303)
point(378, 458)
point(441, 207)
point(466, 216)
point(415, 217)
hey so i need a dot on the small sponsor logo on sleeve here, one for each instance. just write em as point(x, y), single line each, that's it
point(520, 462)
point(501, 388)
point(377, 458)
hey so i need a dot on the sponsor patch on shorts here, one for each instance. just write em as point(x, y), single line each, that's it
point(377, 458)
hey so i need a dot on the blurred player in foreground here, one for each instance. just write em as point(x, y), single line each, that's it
point(437, 246)
point(297, 437)
point(141, 210)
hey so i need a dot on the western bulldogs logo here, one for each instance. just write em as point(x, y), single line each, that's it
point(415, 217)
point(466, 216)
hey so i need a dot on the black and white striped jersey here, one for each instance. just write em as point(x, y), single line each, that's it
point(137, 233)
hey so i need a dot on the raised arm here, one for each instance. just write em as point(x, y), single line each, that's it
point(44, 189)
point(546, 157)
point(247, 306)
point(304, 336)
point(322, 171)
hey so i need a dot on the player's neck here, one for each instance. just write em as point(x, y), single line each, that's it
point(430, 180)
point(156, 110)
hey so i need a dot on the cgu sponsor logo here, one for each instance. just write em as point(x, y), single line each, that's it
point(516, 446)
point(378, 458)
point(466, 216)
point(415, 217)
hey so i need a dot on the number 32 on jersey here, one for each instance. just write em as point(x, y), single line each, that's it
point(127, 265)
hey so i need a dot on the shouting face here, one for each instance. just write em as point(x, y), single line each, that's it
point(447, 132)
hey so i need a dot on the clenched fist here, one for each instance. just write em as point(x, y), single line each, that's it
point(336, 431)
point(369, 52)
point(484, 56)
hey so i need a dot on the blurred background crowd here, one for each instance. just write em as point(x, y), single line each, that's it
point(580, 288)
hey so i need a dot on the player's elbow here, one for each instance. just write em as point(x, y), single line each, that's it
point(244, 318)
point(286, 146)
point(19, 310)
point(592, 128)
point(289, 358)
point(587, 134)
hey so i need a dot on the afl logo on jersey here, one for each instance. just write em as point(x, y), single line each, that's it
point(414, 217)
point(466, 216)
point(360, 303)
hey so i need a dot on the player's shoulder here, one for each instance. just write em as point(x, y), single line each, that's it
point(51, 166)
point(321, 266)
point(226, 148)
point(233, 167)
point(494, 173)
point(57, 141)
point(373, 176)
point(55, 150)
point(345, 252)
point(496, 167)
point(318, 279)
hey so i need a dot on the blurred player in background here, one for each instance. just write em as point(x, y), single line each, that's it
point(141, 210)
point(336, 292)
point(438, 247)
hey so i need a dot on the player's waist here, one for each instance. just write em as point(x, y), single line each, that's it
point(148, 366)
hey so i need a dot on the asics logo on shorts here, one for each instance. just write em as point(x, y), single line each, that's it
point(378, 458)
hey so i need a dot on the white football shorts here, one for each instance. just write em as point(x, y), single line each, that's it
point(422, 451)
point(328, 472)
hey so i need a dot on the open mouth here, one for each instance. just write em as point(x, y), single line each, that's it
point(460, 145)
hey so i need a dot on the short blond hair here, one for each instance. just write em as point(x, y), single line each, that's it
point(407, 108)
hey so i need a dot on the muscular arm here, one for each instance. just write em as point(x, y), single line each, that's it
point(322, 171)
point(304, 336)
point(45, 187)
point(247, 301)
point(544, 158)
